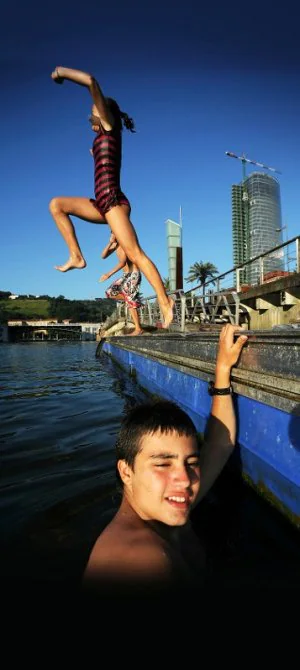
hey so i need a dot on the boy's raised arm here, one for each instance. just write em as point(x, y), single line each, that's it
point(220, 434)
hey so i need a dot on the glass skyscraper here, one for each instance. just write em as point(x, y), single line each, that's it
point(256, 224)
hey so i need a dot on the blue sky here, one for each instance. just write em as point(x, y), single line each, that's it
point(197, 81)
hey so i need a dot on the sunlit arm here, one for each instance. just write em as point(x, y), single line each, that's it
point(220, 434)
point(85, 79)
point(107, 275)
point(77, 76)
point(116, 269)
point(109, 249)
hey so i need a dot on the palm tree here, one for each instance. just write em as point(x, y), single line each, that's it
point(201, 272)
point(166, 283)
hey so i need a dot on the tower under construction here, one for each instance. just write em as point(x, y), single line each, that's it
point(256, 223)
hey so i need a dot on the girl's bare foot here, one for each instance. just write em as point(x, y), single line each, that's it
point(76, 263)
point(168, 313)
point(136, 332)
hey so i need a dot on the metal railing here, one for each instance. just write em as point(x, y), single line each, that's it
point(219, 299)
point(235, 272)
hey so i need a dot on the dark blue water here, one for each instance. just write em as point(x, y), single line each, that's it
point(61, 409)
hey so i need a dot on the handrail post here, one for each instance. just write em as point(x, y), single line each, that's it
point(182, 320)
point(261, 270)
point(238, 279)
point(149, 312)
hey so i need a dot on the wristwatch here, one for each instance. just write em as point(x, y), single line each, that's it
point(213, 391)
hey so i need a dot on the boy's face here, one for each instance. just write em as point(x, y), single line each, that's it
point(166, 478)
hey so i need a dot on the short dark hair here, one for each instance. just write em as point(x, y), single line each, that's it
point(146, 419)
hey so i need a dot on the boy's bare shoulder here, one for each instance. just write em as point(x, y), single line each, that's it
point(128, 548)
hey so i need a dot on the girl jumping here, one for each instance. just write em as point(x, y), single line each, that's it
point(110, 205)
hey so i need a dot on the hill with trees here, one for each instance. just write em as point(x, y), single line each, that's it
point(25, 308)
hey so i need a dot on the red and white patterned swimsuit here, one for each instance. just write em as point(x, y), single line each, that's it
point(128, 287)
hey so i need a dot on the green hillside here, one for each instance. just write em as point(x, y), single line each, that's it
point(23, 309)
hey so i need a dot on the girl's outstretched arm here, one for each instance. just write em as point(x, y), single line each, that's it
point(84, 79)
point(109, 274)
point(122, 262)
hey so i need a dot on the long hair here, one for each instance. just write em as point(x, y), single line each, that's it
point(121, 118)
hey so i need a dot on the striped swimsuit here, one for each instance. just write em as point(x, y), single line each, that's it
point(107, 148)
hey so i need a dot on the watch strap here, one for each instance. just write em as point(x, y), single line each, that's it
point(219, 391)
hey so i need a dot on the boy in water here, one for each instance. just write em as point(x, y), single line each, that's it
point(126, 287)
point(150, 547)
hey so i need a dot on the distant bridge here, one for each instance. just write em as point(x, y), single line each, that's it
point(42, 329)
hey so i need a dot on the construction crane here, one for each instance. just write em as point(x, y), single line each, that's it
point(245, 160)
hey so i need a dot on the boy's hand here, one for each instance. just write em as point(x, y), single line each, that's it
point(228, 350)
point(103, 278)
